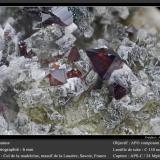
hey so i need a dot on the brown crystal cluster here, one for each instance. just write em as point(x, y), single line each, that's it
point(59, 76)
point(104, 62)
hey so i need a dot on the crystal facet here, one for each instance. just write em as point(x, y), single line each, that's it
point(73, 55)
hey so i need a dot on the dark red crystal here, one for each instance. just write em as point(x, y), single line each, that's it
point(23, 50)
point(74, 73)
point(101, 60)
point(73, 55)
point(117, 91)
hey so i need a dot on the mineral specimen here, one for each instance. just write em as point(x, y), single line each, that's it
point(50, 83)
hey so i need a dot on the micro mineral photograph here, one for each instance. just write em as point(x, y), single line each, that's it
point(78, 70)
